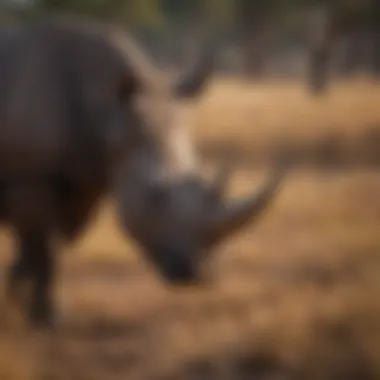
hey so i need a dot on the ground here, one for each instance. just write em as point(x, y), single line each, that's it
point(294, 297)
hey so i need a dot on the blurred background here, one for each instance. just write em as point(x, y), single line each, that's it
point(296, 296)
point(259, 39)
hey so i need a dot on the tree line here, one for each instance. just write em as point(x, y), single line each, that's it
point(251, 34)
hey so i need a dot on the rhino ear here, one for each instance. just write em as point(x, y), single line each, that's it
point(192, 82)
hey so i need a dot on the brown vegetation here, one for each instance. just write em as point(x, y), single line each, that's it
point(295, 297)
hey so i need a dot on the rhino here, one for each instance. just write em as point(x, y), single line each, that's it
point(84, 114)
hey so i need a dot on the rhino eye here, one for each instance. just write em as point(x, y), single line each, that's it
point(126, 89)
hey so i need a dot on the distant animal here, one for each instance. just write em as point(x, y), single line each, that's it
point(84, 114)
point(341, 18)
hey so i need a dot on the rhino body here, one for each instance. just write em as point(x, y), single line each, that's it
point(84, 114)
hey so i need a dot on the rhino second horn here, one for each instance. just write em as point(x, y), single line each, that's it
point(193, 80)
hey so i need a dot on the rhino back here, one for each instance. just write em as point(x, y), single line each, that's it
point(31, 117)
point(11, 41)
point(40, 131)
point(41, 136)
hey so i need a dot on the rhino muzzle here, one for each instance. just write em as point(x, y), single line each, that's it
point(176, 266)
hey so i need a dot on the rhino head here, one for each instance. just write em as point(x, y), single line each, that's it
point(163, 202)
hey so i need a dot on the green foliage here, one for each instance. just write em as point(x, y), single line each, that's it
point(132, 12)
point(158, 13)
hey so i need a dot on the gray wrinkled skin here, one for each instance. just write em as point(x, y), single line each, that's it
point(83, 113)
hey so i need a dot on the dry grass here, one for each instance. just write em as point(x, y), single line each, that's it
point(338, 128)
point(269, 111)
point(295, 297)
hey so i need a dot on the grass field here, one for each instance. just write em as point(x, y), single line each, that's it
point(294, 297)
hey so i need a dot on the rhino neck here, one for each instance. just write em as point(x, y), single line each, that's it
point(178, 155)
point(175, 157)
point(167, 158)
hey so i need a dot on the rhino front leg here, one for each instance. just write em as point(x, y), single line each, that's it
point(41, 268)
point(35, 265)
point(18, 274)
point(32, 216)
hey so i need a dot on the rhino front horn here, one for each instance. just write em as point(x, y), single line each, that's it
point(230, 216)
